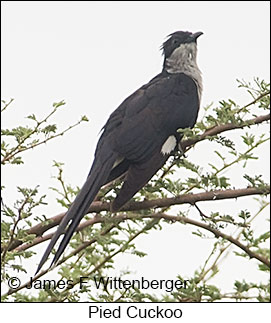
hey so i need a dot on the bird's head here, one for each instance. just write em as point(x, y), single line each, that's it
point(180, 48)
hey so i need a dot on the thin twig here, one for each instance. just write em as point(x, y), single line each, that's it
point(6, 104)
point(16, 150)
point(20, 210)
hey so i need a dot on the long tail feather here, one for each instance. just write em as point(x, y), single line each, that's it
point(78, 209)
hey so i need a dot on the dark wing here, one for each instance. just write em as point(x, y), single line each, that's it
point(141, 125)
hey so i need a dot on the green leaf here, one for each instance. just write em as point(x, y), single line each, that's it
point(58, 104)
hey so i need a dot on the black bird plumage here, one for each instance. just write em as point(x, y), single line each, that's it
point(140, 134)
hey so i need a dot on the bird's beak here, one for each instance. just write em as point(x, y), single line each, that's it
point(196, 35)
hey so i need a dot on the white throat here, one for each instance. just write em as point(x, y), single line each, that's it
point(184, 60)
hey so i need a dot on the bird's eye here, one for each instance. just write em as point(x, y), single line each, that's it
point(175, 42)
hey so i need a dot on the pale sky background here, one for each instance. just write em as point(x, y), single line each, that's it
point(93, 55)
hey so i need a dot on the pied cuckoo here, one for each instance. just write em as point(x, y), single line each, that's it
point(141, 133)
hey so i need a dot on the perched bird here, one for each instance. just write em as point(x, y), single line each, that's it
point(141, 133)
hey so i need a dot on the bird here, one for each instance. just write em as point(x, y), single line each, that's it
point(141, 134)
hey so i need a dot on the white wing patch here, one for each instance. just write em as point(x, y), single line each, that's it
point(169, 145)
point(117, 162)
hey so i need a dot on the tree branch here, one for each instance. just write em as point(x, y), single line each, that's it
point(123, 217)
point(222, 128)
point(137, 206)
point(217, 234)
